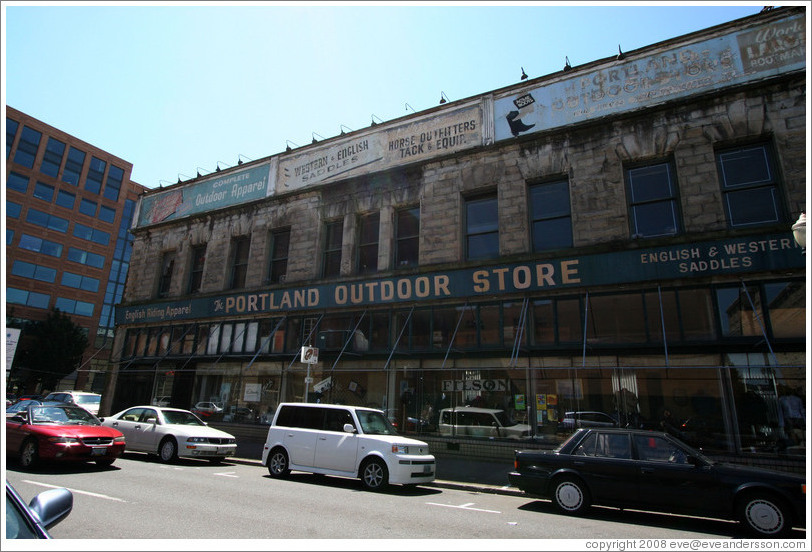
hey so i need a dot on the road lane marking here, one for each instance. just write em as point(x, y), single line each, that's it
point(88, 493)
point(466, 506)
point(228, 474)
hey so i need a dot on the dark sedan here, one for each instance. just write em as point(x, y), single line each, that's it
point(628, 468)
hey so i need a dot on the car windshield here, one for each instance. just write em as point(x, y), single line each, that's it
point(180, 417)
point(87, 399)
point(62, 415)
point(375, 423)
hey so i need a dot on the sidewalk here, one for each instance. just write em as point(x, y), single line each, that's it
point(453, 472)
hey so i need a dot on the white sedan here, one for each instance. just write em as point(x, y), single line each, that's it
point(170, 433)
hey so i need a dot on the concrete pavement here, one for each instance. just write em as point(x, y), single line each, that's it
point(453, 472)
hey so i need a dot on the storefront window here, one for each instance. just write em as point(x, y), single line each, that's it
point(662, 316)
point(489, 326)
point(568, 318)
point(543, 322)
point(786, 308)
point(615, 319)
point(696, 314)
point(736, 314)
point(421, 329)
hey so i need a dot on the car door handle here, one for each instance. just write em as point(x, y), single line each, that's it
point(115, 424)
point(137, 427)
point(322, 438)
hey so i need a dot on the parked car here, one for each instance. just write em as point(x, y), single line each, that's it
point(586, 418)
point(210, 407)
point(88, 401)
point(471, 421)
point(171, 433)
point(32, 520)
point(349, 441)
point(161, 401)
point(630, 468)
point(61, 432)
point(17, 407)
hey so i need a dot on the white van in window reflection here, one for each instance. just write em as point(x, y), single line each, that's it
point(470, 421)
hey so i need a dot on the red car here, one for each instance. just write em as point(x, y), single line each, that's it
point(61, 432)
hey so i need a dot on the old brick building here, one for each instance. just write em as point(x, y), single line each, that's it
point(611, 238)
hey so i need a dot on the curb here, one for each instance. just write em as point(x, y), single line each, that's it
point(442, 484)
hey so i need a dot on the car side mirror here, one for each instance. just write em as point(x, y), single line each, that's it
point(349, 428)
point(52, 506)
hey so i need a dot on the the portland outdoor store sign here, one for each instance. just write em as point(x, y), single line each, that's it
point(750, 254)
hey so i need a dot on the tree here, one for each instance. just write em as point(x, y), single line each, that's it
point(56, 346)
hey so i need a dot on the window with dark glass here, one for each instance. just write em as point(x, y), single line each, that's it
point(239, 262)
point(749, 185)
point(11, 132)
point(47, 221)
point(113, 185)
point(52, 160)
point(165, 280)
point(369, 227)
point(95, 173)
point(106, 214)
point(33, 271)
point(481, 228)
point(87, 207)
point(78, 281)
point(27, 148)
point(17, 182)
point(407, 237)
point(280, 244)
point(65, 199)
point(39, 245)
point(196, 273)
point(91, 234)
point(739, 311)
point(331, 260)
point(653, 209)
point(13, 209)
point(73, 166)
point(550, 216)
point(43, 192)
point(85, 257)
point(786, 305)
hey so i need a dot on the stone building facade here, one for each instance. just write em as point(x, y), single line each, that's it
point(613, 240)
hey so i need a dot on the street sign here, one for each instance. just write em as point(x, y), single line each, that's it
point(310, 355)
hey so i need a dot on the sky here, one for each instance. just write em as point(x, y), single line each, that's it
point(177, 88)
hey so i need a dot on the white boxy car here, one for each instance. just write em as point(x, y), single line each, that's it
point(350, 441)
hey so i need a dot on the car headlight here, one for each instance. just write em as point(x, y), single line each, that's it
point(64, 440)
point(197, 440)
point(119, 439)
point(400, 449)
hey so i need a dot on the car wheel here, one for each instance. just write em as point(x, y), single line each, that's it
point(570, 495)
point(29, 454)
point(168, 450)
point(106, 462)
point(374, 475)
point(278, 463)
point(764, 516)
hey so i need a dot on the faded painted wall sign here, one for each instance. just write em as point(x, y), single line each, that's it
point(740, 256)
point(206, 195)
point(766, 50)
point(379, 150)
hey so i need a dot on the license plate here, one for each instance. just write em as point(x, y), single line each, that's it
point(222, 451)
point(98, 451)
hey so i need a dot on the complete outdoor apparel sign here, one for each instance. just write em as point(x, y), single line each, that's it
point(740, 256)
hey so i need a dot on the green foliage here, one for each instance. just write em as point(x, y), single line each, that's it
point(55, 349)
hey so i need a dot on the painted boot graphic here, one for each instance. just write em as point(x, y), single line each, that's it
point(516, 124)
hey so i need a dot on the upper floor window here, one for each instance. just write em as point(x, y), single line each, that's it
point(113, 185)
point(331, 260)
point(107, 214)
point(167, 268)
point(407, 237)
point(280, 244)
point(39, 245)
point(52, 159)
point(95, 174)
point(27, 148)
point(653, 201)
point(239, 262)
point(369, 226)
point(550, 216)
point(51, 222)
point(749, 185)
point(87, 207)
point(481, 228)
point(11, 132)
point(65, 199)
point(196, 273)
point(43, 192)
point(73, 166)
point(17, 182)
